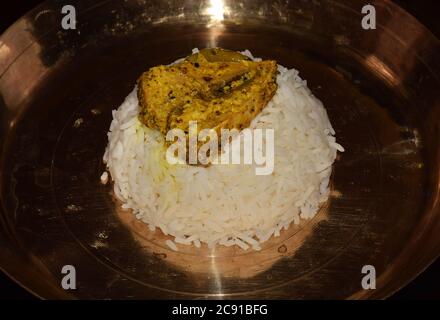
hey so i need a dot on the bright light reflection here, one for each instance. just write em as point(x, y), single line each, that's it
point(382, 69)
point(4, 51)
point(216, 10)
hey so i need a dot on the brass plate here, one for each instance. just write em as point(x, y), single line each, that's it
point(381, 91)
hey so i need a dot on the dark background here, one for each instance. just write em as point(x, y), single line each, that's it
point(425, 286)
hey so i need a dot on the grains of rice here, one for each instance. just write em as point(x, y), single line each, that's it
point(241, 244)
point(227, 204)
point(182, 241)
point(171, 245)
point(104, 177)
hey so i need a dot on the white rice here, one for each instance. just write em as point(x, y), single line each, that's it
point(171, 245)
point(104, 177)
point(227, 204)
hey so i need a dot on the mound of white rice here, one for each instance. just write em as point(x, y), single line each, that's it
point(227, 204)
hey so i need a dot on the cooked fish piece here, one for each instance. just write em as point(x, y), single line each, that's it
point(218, 55)
point(216, 87)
